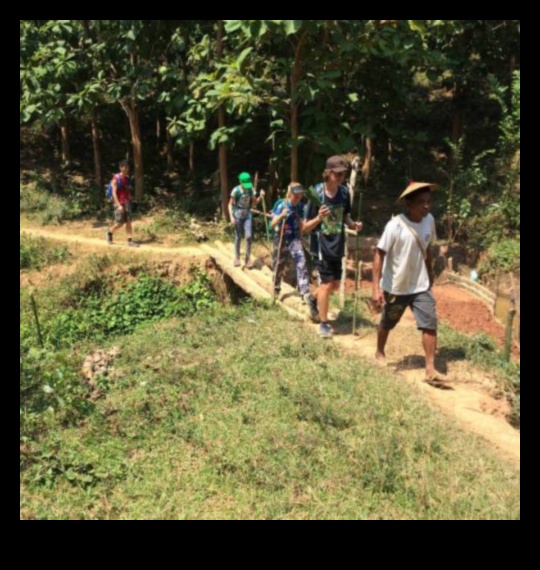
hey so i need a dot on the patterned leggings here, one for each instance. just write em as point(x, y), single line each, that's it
point(295, 250)
point(245, 226)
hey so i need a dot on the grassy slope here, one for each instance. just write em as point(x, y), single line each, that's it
point(240, 414)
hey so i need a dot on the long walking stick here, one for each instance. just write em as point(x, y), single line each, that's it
point(263, 200)
point(357, 260)
point(278, 257)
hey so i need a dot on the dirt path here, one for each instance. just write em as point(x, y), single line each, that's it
point(470, 401)
point(95, 242)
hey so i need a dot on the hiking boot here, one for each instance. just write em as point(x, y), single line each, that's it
point(249, 264)
point(132, 243)
point(325, 330)
point(311, 302)
point(236, 262)
point(109, 237)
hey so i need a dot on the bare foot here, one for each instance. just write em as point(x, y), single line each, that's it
point(380, 359)
point(437, 379)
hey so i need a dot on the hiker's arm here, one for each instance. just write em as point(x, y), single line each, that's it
point(277, 218)
point(429, 267)
point(378, 296)
point(258, 199)
point(115, 193)
point(310, 225)
point(231, 216)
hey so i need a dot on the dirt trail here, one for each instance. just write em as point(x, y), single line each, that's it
point(470, 400)
point(95, 242)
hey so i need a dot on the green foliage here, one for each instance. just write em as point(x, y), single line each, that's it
point(467, 180)
point(502, 257)
point(56, 201)
point(93, 311)
point(508, 206)
point(51, 391)
point(36, 253)
point(313, 196)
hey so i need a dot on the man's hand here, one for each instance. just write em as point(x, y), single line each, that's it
point(378, 299)
point(324, 211)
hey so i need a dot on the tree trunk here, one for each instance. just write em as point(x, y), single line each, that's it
point(457, 120)
point(97, 150)
point(366, 167)
point(294, 142)
point(133, 115)
point(170, 155)
point(159, 128)
point(223, 174)
point(64, 132)
point(295, 78)
point(192, 159)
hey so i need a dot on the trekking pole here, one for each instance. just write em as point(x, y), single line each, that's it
point(357, 261)
point(36, 318)
point(265, 216)
point(263, 200)
point(278, 256)
point(259, 213)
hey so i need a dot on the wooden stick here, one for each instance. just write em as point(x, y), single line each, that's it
point(36, 317)
point(259, 213)
point(357, 263)
point(282, 232)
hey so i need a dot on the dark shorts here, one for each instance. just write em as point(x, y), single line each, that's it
point(422, 305)
point(123, 216)
point(329, 270)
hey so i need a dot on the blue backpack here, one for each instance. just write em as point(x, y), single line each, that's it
point(110, 188)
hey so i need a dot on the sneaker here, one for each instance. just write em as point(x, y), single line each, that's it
point(132, 243)
point(109, 237)
point(249, 264)
point(325, 330)
point(311, 302)
point(236, 262)
point(277, 292)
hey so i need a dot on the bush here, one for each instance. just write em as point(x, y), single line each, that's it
point(502, 257)
point(36, 253)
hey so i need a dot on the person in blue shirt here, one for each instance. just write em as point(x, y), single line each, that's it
point(288, 224)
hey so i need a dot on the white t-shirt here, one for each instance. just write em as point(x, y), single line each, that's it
point(404, 270)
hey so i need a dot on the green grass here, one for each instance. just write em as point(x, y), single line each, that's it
point(243, 414)
point(37, 253)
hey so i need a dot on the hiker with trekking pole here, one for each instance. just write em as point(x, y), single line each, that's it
point(329, 211)
point(242, 199)
point(288, 224)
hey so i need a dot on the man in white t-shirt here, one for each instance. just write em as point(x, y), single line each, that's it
point(403, 274)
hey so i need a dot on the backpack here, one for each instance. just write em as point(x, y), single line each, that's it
point(110, 188)
point(319, 188)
